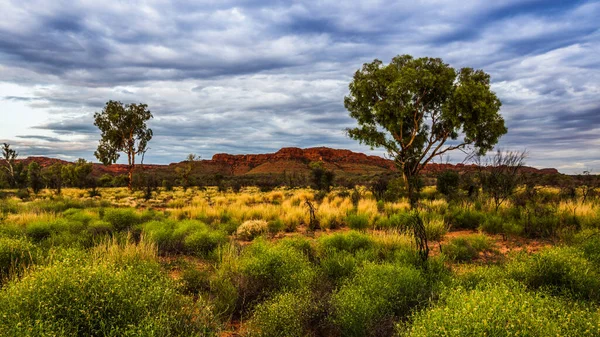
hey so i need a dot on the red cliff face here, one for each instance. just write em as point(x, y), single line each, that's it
point(306, 156)
point(287, 159)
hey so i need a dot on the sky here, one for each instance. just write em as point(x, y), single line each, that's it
point(250, 76)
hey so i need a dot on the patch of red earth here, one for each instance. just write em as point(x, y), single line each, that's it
point(502, 245)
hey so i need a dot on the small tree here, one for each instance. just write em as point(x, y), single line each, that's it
point(185, 172)
point(77, 174)
point(123, 129)
point(322, 179)
point(34, 177)
point(10, 156)
point(500, 175)
point(448, 183)
point(416, 109)
point(53, 176)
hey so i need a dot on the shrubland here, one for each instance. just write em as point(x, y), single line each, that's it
point(195, 262)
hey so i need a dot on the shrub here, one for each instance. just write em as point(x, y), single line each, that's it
point(39, 231)
point(15, 253)
point(435, 229)
point(275, 226)
point(8, 207)
point(357, 221)
point(464, 218)
point(202, 243)
point(559, 270)
point(78, 215)
point(99, 228)
point(260, 271)
point(502, 310)
point(590, 246)
point(337, 265)
point(188, 236)
point(287, 315)
point(401, 221)
point(493, 224)
point(367, 303)
point(251, 229)
point(121, 219)
point(448, 182)
point(350, 242)
point(467, 248)
point(195, 280)
point(81, 298)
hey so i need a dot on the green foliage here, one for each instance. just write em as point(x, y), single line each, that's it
point(195, 280)
point(590, 246)
point(322, 179)
point(201, 243)
point(188, 236)
point(411, 107)
point(34, 177)
point(77, 174)
point(74, 298)
point(287, 315)
point(467, 248)
point(260, 271)
point(559, 270)
point(503, 310)
point(122, 219)
point(357, 221)
point(459, 218)
point(448, 182)
point(350, 242)
point(123, 129)
point(275, 226)
point(15, 254)
point(367, 304)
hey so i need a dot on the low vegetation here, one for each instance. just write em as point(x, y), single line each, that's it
point(191, 262)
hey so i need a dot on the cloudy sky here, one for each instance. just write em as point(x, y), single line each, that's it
point(252, 76)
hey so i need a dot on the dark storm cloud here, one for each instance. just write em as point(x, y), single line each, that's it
point(72, 126)
point(44, 138)
point(253, 76)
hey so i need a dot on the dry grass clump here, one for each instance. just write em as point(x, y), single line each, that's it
point(251, 229)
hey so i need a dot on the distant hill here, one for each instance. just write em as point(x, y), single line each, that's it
point(287, 160)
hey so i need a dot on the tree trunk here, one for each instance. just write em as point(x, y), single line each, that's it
point(130, 160)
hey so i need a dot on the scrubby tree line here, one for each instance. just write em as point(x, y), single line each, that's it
point(15, 174)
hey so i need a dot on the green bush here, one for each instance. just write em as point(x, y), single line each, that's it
point(590, 246)
point(401, 221)
point(337, 266)
point(349, 242)
point(78, 215)
point(261, 270)
point(448, 182)
point(559, 270)
point(502, 310)
point(121, 219)
point(464, 218)
point(467, 248)
point(188, 236)
point(275, 226)
point(82, 298)
point(367, 304)
point(8, 206)
point(99, 228)
point(357, 221)
point(15, 253)
point(201, 243)
point(287, 315)
point(39, 231)
point(493, 224)
point(195, 280)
